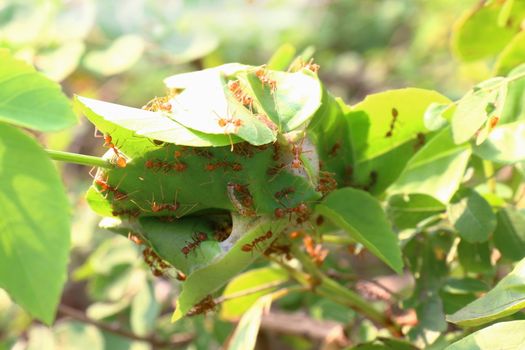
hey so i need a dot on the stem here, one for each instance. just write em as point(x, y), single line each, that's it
point(79, 159)
point(329, 288)
point(488, 169)
point(248, 291)
point(178, 340)
point(336, 239)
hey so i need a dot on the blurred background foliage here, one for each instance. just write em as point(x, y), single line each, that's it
point(120, 51)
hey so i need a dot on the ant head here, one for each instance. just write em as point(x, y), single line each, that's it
point(279, 213)
point(201, 236)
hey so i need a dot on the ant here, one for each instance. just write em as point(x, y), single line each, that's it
point(235, 88)
point(108, 142)
point(135, 238)
point(493, 121)
point(158, 104)
point(262, 74)
point(327, 183)
point(131, 212)
point(284, 192)
point(105, 187)
point(202, 306)
point(213, 166)
point(280, 250)
point(197, 239)
point(420, 141)
point(390, 131)
point(312, 66)
point(157, 265)
point(302, 211)
point(275, 169)
point(248, 247)
point(241, 199)
point(373, 180)
point(335, 148)
point(316, 251)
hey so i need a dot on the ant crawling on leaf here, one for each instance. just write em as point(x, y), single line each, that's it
point(108, 142)
point(197, 239)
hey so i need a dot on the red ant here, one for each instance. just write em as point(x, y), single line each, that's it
point(241, 199)
point(118, 195)
point(131, 212)
point(197, 239)
point(108, 142)
point(213, 166)
point(335, 148)
point(327, 183)
point(280, 250)
point(373, 180)
point(297, 150)
point(493, 121)
point(284, 192)
point(158, 104)
point(312, 66)
point(316, 251)
point(248, 247)
point(162, 165)
point(203, 306)
point(390, 131)
point(420, 141)
point(156, 207)
point(262, 74)
point(235, 88)
point(302, 211)
point(275, 169)
point(157, 265)
point(135, 239)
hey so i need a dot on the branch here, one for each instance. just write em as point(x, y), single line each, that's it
point(177, 340)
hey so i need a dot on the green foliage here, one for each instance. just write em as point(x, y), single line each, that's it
point(29, 99)
point(504, 299)
point(503, 335)
point(247, 185)
point(34, 242)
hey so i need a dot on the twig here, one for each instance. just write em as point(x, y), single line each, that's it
point(177, 340)
point(248, 291)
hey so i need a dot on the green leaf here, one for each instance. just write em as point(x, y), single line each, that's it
point(120, 56)
point(296, 98)
point(505, 144)
point(407, 211)
point(476, 35)
point(436, 170)
point(34, 226)
point(282, 57)
point(386, 129)
point(503, 335)
point(266, 276)
point(476, 107)
point(514, 106)
point(509, 236)
point(76, 335)
point(136, 125)
point(207, 103)
point(474, 257)
point(433, 117)
point(472, 216)
point(29, 99)
point(511, 56)
point(144, 311)
point(362, 217)
point(503, 300)
point(220, 270)
point(245, 335)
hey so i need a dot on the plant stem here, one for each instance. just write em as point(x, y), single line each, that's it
point(177, 340)
point(323, 285)
point(79, 159)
